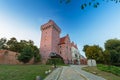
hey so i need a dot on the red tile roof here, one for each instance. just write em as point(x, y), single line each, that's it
point(74, 45)
point(62, 40)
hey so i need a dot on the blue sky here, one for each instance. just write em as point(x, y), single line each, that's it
point(22, 19)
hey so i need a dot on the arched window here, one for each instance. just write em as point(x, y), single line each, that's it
point(75, 55)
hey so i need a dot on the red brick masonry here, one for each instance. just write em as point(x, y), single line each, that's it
point(10, 57)
point(51, 42)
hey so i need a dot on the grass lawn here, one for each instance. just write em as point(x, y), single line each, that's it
point(22, 72)
point(100, 71)
point(112, 69)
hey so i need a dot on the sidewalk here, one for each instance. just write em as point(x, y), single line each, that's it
point(54, 75)
point(73, 72)
point(88, 75)
point(69, 74)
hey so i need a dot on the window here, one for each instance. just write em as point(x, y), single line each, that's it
point(60, 52)
point(45, 38)
point(75, 55)
point(60, 46)
point(67, 47)
point(45, 45)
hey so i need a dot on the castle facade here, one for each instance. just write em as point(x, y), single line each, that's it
point(51, 42)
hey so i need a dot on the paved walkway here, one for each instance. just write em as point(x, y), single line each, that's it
point(72, 72)
point(55, 74)
point(88, 75)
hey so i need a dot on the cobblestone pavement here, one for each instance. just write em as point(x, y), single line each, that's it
point(72, 72)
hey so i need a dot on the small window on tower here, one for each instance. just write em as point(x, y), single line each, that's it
point(45, 38)
point(67, 47)
point(60, 52)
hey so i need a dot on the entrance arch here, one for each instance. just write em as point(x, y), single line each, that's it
point(54, 55)
point(55, 59)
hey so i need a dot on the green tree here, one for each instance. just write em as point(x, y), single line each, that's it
point(29, 52)
point(26, 55)
point(106, 57)
point(37, 56)
point(30, 42)
point(27, 49)
point(35, 50)
point(85, 47)
point(12, 44)
point(94, 52)
point(24, 43)
point(2, 42)
point(113, 46)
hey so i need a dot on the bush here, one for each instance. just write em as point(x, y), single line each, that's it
point(26, 55)
point(56, 61)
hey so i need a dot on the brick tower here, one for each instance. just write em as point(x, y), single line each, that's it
point(49, 39)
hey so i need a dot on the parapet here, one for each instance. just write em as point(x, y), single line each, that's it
point(49, 24)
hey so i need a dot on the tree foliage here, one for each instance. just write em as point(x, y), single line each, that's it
point(27, 49)
point(13, 44)
point(85, 48)
point(36, 54)
point(113, 46)
point(2, 42)
point(26, 54)
point(106, 57)
point(87, 3)
point(93, 52)
point(111, 54)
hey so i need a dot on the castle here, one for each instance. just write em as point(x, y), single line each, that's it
point(51, 43)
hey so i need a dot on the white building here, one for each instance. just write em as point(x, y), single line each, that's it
point(75, 54)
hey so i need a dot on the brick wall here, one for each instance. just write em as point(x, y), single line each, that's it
point(49, 40)
point(10, 57)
